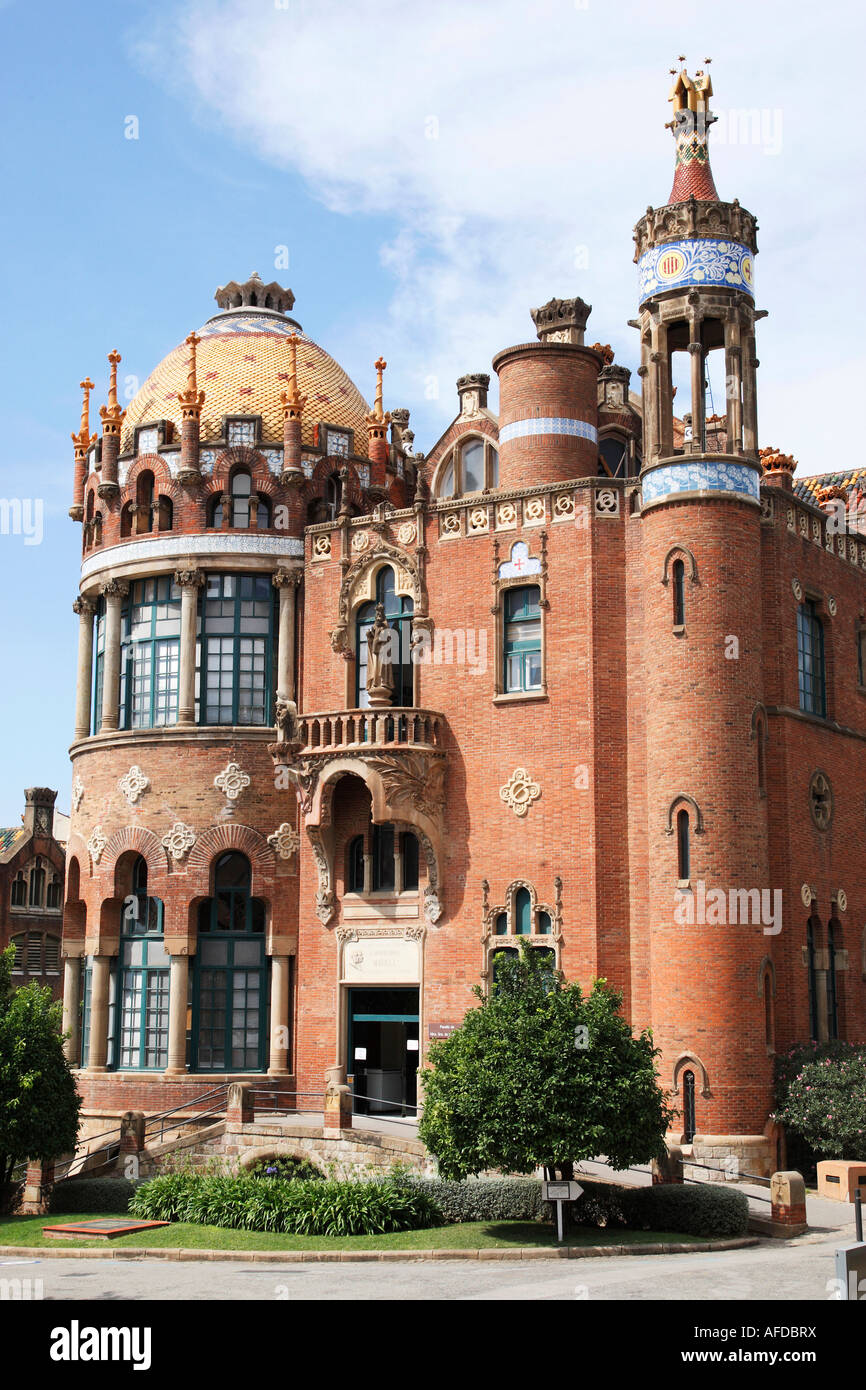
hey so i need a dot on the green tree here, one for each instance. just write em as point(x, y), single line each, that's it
point(826, 1102)
point(542, 1075)
point(38, 1101)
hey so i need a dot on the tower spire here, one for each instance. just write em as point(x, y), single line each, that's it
point(191, 399)
point(692, 118)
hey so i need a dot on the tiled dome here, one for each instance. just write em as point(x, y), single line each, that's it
point(243, 365)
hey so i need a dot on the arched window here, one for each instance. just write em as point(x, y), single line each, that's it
point(614, 452)
point(810, 660)
point(678, 572)
point(143, 987)
point(812, 937)
point(19, 890)
point(230, 975)
point(165, 513)
point(472, 467)
point(126, 519)
point(355, 865)
point(523, 912)
point(501, 927)
point(36, 895)
point(240, 488)
point(383, 858)
point(333, 496)
point(144, 501)
point(544, 924)
point(689, 1123)
point(832, 993)
point(399, 609)
point(522, 638)
point(683, 846)
point(263, 512)
point(769, 1030)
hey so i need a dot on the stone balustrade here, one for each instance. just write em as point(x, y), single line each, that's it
point(362, 728)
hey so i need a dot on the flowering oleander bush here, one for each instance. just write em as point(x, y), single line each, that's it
point(825, 1101)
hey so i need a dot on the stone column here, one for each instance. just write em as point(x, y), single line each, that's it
point(368, 874)
point(177, 1003)
point(733, 386)
point(696, 366)
point(71, 998)
point(97, 1056)
point(85, 610)
point(114, 591)
point(287, 582)
point(189, 582)
point(279, 1048)
point(750, 396)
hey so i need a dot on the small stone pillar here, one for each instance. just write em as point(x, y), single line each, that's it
point(338, 1100)
point(788, 1199)
point(132, 1132)
point(293, 408)
point(377, 421)
point(112, 419)
point(668, 1167)
point(240, 1105)
point(37, 1188)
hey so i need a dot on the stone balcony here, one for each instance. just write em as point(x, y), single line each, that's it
point(401, 727)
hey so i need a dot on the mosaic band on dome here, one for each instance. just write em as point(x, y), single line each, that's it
point(704, 475)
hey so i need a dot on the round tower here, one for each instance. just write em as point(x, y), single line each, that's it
point(712, 909)
point(548, 400)
point(181, 923)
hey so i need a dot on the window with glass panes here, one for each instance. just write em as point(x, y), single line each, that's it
point(230, 974)
point(810, 660)
point(522, 634)
point(144, 981)
point(86, 994)
point(150, 654)
point(98, 664)
point(236, 651)
point(398, 613)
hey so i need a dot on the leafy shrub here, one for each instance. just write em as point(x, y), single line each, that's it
point(704, 1209)
point(825, 1101)
point(93, 1194)
point(292, 1206)
point(285, 1166)
point(482, 1199)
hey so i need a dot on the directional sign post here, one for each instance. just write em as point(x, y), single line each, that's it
point(560, 1192)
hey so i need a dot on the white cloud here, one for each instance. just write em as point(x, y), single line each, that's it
point(499, 138)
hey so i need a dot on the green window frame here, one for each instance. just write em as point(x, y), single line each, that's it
point(811, 671)
point(399, 611)
point(86, 995)
point(230, 975)
point(143, 986)
point(236, 650)
point(150, 655)
point(98, 664)
point(522, 638)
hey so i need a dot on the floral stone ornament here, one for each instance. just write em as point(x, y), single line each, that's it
point(133, 784)
point(520, 791)
point(77, 792)
point(231, 781)
point(179, 840)
point(285, 841)
point(96, 844)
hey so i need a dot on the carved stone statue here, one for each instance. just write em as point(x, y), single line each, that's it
point(380, 670)
point(286, 718)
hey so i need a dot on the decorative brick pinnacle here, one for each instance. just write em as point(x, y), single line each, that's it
point(191, 399)
point(111, 414)
point(773, 461)
point(84, 440)
point(292, 400)
point(378, 418)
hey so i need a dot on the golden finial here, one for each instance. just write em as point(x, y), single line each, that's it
point(191, 399)
point(291, 397)
point(84, 440)
point(112, 414)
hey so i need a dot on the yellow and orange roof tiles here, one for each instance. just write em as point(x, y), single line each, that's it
point(243, 365)
point(852, 480)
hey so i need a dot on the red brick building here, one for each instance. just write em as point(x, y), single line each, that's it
point(31, 890)
point(352, 720)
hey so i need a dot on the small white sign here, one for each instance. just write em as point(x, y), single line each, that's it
point(360, 1054)
point(411, 1044)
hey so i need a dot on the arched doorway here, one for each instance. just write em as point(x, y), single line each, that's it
point(230, 997)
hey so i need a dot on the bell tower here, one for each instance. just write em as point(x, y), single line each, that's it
point(695, 258)
point(702, 584)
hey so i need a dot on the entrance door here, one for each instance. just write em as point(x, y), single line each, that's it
point(383, 1050)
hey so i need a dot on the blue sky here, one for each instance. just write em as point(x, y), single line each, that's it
point(434, 171)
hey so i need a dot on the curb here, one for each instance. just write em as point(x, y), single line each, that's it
point(140, 1252)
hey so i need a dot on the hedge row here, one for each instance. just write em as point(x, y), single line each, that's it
point(704, 1209)
point(111, 1195)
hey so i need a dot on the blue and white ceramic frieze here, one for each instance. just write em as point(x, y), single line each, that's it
point(701, 476)
point(274, 459)
point(364, 474)
point(206, 459)
point(702, 261)
point(548, 424)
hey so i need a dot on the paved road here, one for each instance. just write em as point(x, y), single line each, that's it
point(769, 1272)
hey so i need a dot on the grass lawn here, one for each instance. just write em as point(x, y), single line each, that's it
point(471, 1235)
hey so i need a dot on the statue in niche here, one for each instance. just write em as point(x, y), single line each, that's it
point(380, 668)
